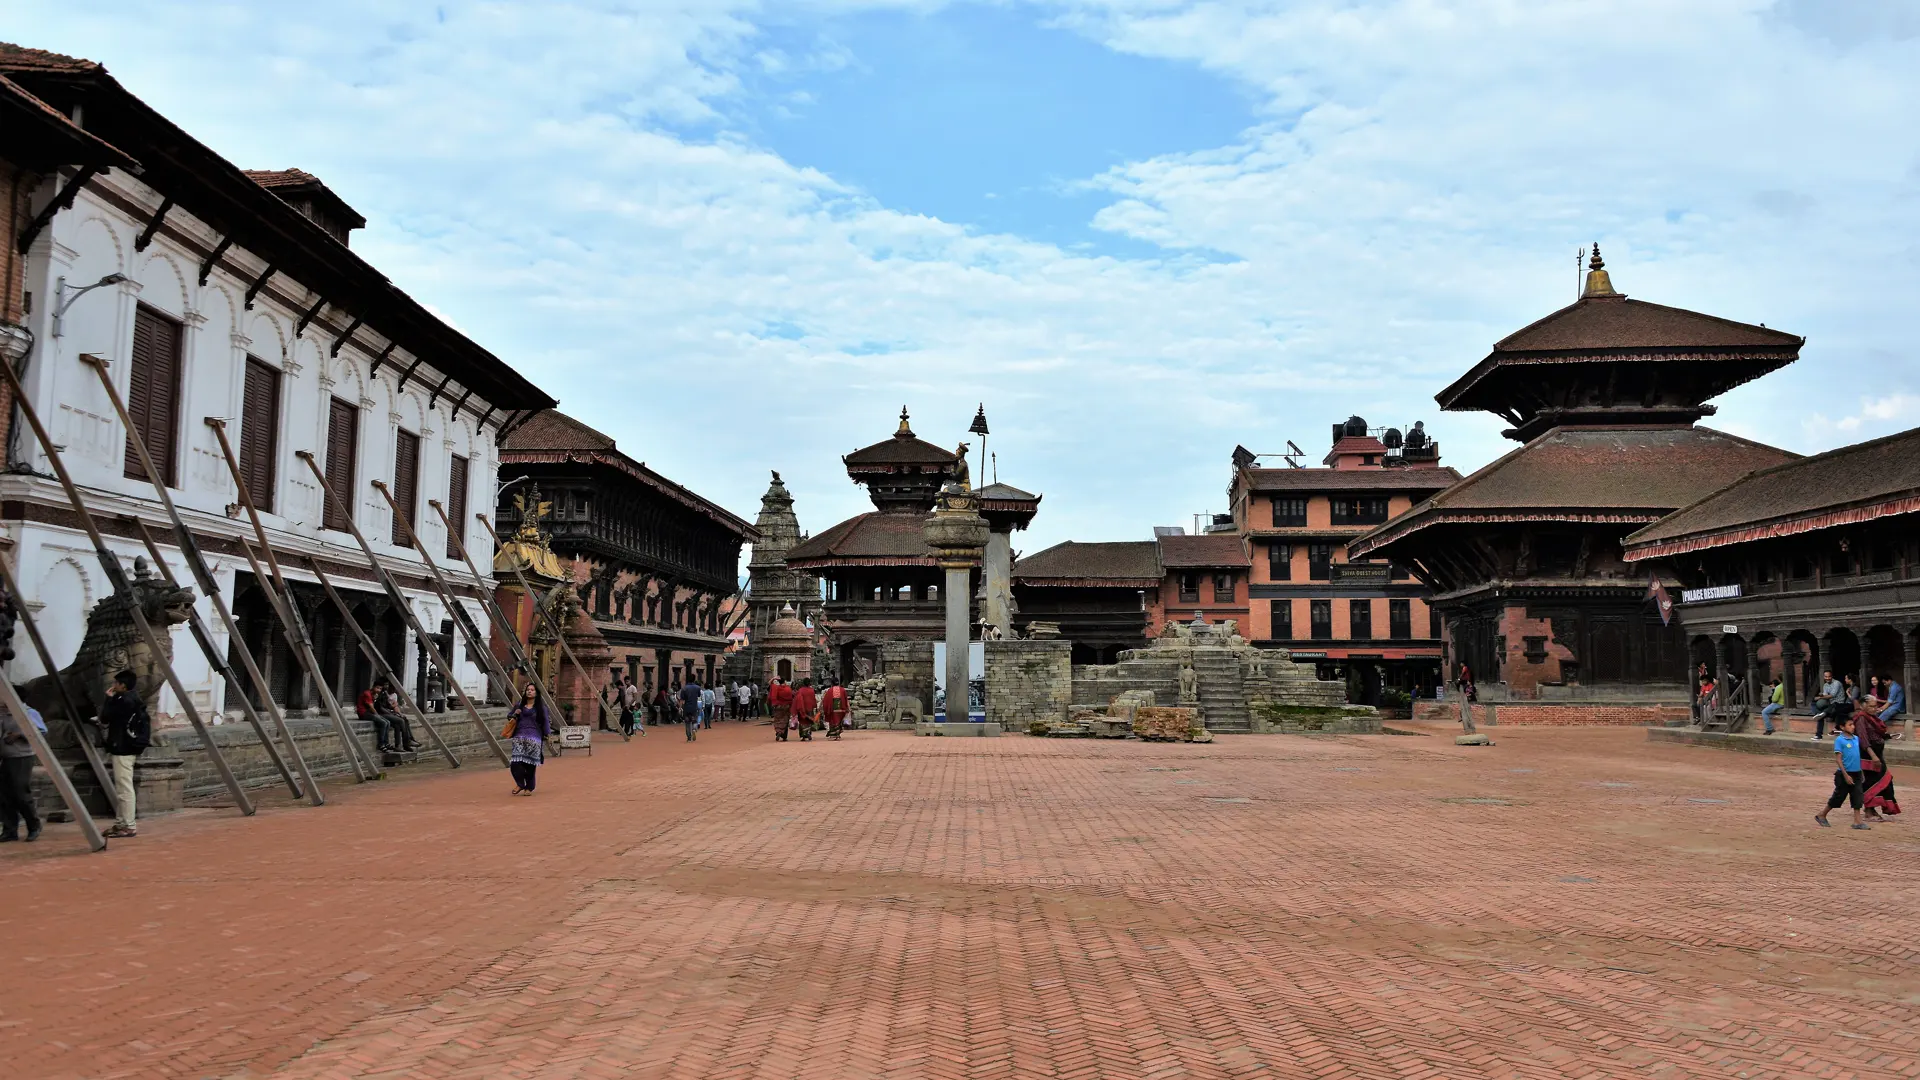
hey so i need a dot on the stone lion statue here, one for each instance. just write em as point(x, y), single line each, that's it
point(112, 643)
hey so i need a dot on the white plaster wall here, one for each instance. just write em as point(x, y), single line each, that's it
point(57, 566)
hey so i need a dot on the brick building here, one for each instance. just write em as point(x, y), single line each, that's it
point(1100, 594)
point(1366, 621)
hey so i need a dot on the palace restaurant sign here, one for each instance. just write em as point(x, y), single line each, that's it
point(1716, 592)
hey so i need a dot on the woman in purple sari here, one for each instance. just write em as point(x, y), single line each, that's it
point(528, 736)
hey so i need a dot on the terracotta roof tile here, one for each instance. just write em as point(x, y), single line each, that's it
point(555, 430)
point(1870, 472)
point(1573, 473)
point(1129, 561)
point(20, 58)
point(900, 450)
point(875, 538)
point(1207, 550)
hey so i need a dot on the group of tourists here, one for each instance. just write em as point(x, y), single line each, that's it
point(800, 709)
point(638, 708)
point(379, 705)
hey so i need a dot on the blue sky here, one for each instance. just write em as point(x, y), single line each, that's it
point(738, 236)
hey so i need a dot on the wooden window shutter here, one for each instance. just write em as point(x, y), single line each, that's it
point(260, 432)
point(456, 505)
point(153, 392)
point(343, 439)
point(406, 483)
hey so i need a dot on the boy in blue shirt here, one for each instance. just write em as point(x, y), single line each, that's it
point(1847, 778)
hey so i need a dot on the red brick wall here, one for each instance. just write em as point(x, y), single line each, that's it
point(1523, 678)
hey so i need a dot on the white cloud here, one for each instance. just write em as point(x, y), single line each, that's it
point(1416, 186)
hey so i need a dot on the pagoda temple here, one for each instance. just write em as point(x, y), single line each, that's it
point(883, 610)
point(1524, 557)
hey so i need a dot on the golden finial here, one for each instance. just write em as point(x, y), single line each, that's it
point(905, 432)
point(1598, 283)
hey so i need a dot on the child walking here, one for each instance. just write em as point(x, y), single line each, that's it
point(1847, 778)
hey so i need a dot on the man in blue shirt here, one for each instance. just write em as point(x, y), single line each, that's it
point(1896, 702)
point(1848, 777)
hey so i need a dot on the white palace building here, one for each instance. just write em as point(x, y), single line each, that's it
point(230, 294)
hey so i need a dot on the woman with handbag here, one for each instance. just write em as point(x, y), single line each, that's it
point(527, 729)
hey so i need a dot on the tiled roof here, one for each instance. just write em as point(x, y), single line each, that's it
point(900, 450)
point(1577, 473)
point(1207, 550)
point(1129, 562)
point(875, 538)
point(1005, 493)
point(553, 437)
point(555, 430)
point(1615, 322)
point(1395, 479)
point(50, 133)
point(280, 178)
point(21, 58)
point(1798, 495)
point(290, 182)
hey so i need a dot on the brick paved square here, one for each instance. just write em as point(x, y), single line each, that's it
point(1563, 904)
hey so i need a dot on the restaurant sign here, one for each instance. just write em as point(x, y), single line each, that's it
point(1714, 592)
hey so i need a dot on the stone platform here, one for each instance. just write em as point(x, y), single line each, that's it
point(1899, 751)
point(967, 729)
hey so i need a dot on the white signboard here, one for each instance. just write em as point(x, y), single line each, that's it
point(1714, 592)
point(577, 738)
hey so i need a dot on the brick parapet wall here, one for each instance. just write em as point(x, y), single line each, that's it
point(1555, 714)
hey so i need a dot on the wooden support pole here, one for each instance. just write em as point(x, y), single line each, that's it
point(10, 699)
point(81, 730)
point(117, 577)
point(380, 667)
point(190, 550)
point(553, 624)
point(499, 617)
point(292, 627)
point(400, 601)
point(488, 662)
point(221, 668)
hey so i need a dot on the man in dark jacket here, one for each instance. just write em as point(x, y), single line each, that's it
point(128, 732)
point(691, 695)
point(16, 778)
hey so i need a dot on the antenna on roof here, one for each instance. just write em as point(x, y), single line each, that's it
point(1293, 455)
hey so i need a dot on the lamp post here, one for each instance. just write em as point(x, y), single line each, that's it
point(980, 428)
point(62, 300)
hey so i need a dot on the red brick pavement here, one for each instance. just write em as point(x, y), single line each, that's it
point(1563, 904)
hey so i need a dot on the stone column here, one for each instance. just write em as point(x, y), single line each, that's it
point(956, 537)
point(999, 573)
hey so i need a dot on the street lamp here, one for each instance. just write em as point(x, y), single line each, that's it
point(980, 428)
point(62, 300)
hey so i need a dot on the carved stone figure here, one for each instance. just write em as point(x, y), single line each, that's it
point(112, 644)
point(1189, 684)
point(961, 474)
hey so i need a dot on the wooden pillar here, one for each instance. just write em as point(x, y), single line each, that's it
point(1790, 652)
point(1753, 674)
point(1907, 673)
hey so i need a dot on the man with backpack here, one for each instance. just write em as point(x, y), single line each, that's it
point(129, 731)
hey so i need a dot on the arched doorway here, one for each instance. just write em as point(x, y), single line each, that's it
point(1843, 653)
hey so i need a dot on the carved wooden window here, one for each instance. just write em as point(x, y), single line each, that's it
point(343, 441)
point(1282, 619)
point(1189, 588)
point(1320, 562)
point(1289, 512)
point(1223, 588)
point(260, 432)
point(1399, 619)
point(153, 392)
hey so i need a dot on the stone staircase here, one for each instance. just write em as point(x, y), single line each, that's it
point(1223, 697)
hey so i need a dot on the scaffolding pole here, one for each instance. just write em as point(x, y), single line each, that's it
point(117, 577)
point(292, 626)
point(393, 592)
point(10, 699)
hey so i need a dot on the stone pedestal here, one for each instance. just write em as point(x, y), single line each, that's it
point(956, 536)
